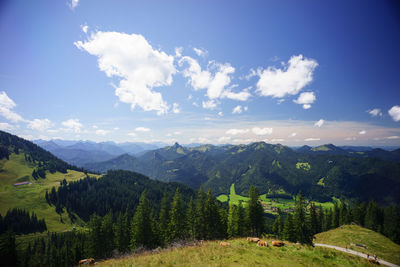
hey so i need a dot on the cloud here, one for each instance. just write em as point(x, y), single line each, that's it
point(142, 129)
point(84, 28)
point(375, 112)
point(177, 133)
point(290, 80)
point(102, 132)
point(305, 99)
point(74, 3)
point(178, 52)
point(362, 132)
point(40, 125)
point(132, 134)
point(252, 73)
point(262, 131)
point(140, 67)
point(237, 131)
point(237, 110)
point(394, 112)
point(319, 123)
point(311, 139)
point(393, 137)
point(293, 134)
point(224, 139)
point(73, 125)
point(200, 52)
point(175, 108)
point(4, 126)
point(116, 128)
point(210, 104)
point(6, 106)
point(277, 140)
point(216, 79)
point(350, 139)
point(220, 114)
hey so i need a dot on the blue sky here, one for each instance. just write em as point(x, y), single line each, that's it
point(290, 72)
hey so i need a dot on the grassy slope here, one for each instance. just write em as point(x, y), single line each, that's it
point(375, 242)
point(31, 197)
point(241, 253)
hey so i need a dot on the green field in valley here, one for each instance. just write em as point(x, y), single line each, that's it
point(270, 204)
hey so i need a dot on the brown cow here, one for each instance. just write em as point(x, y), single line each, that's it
point(253, 239)
point(90, 261)
point(262, 244)
point(278, 243)
point(224, 244)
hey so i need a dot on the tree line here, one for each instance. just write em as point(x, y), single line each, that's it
point(384, 220)
point(21, 222)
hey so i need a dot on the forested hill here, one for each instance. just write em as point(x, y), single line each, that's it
point(44, 160)
point(274, 169)
point(116, 191)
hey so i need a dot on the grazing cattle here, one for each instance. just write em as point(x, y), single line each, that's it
point(278, 243)
point(253, 239)
point(224, 244)
point(90, 261)
point(262, 243)
point(374, 261)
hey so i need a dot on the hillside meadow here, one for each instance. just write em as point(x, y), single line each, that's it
point(354, 234)
point(31, 197)
point(240, 253)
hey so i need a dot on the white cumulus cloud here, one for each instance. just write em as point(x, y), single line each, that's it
point(362, 132)
point(200, 52)
point(140, 67)
point(237, 110)
point(224, 139)
point(84, 28)
point(6, 108)
point(290, 80)
point(73, 125)
point(175, 108)
point(74, 3)
point(142, 129)
point(375, 112)
point(216, 79)
point(394, 112)
point(237, 131)
point(319, 123)
point(40, 125)
point(262, 131)
point(305, 99)
point(210, 104)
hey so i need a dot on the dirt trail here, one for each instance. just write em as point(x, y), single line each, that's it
point(355, 253)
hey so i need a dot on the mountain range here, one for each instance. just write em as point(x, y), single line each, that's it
point(320, 173)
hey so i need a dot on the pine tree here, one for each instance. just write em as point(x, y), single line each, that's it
point(191, 219)
point(211, 217)
point(391, 226)
point(313, 219)
point(201, 230)
point(321, 220)
point(335, 215)
point(107, 234)
point(289, 229)
point(141, 230)
point(176, 226)
point(255, 213)
point(119, 232)
point(302, 230)
point(232, 221)
point(95, 238)
point(164, 217)
point(372, 216)
point(277, 227)
point(328, 220)
point(241, 220)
